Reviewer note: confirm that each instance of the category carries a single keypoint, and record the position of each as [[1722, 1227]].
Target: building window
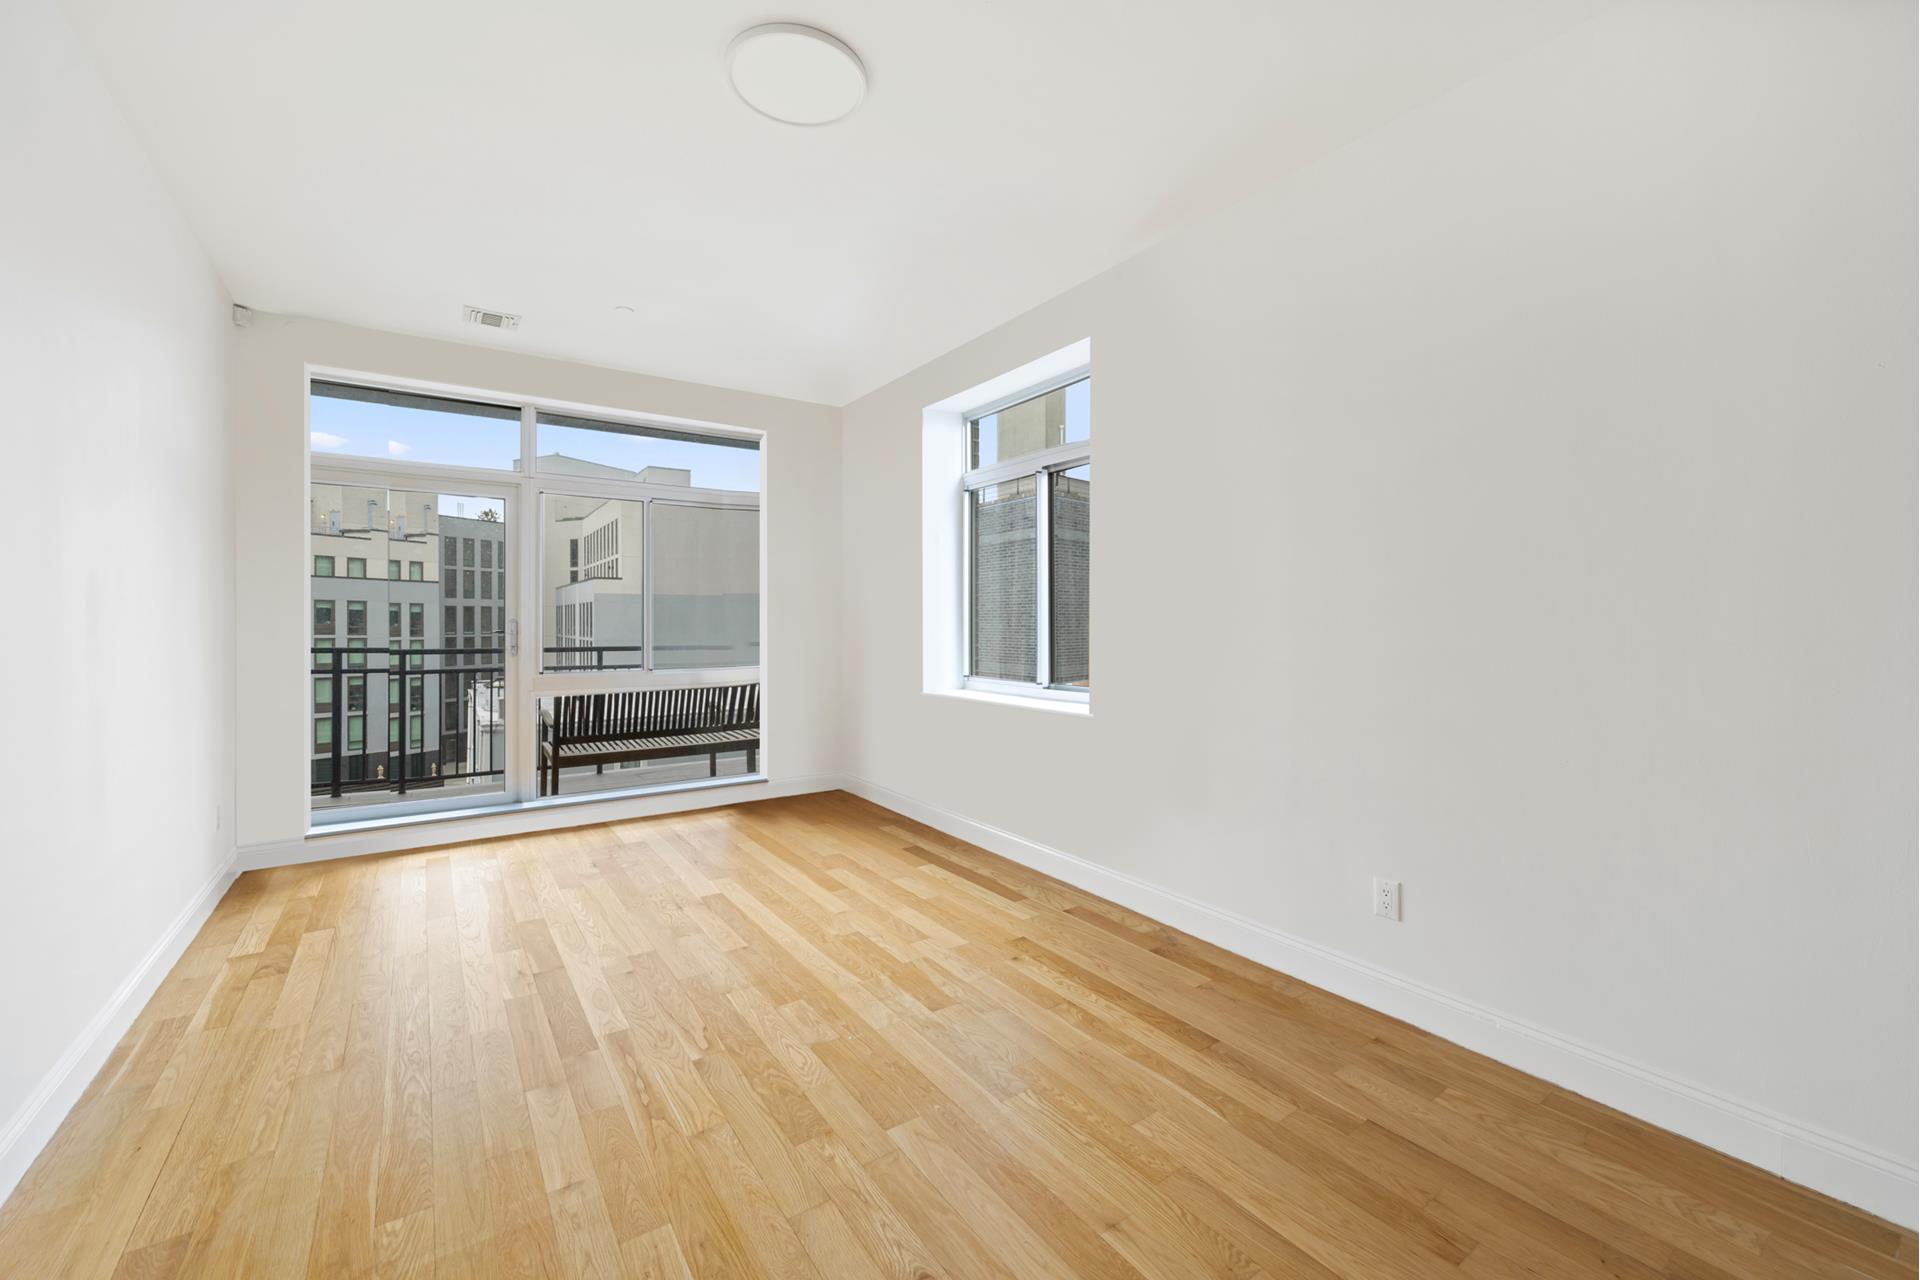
[[416, 571], [356, 617], [450, 582], [416, 620], [322, 735], [486, 554], [323, 617], [466, 552], [393, 570], [466, 584], [323, 566], [393, 621], [356, 567], [451, 549], [1028, 491]]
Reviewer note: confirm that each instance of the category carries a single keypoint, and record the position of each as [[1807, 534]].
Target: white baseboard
[[1876, 1182], [30, 1128], [425, 831]]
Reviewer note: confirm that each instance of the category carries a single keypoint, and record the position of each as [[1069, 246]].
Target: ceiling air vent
[[492, 319]]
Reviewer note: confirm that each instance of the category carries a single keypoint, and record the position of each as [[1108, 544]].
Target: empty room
[[572, 745]]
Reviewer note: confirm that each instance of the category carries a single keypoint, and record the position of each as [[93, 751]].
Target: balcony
[[408, 724]]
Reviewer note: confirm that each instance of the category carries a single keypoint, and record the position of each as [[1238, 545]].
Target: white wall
[[1519, 503], [801, 501], [119, 618]]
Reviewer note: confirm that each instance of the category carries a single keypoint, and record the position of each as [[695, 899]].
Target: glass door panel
[[409, 673]]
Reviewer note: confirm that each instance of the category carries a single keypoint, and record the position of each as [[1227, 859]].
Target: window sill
[[1060, 706], [355, 825]]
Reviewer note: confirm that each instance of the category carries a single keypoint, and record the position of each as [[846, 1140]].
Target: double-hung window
[[1025, 508]]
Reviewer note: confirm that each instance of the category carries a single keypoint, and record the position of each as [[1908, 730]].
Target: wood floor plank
[[811, 1038]]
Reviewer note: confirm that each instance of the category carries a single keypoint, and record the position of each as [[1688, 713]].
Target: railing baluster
[[339, 727], [406, 713]]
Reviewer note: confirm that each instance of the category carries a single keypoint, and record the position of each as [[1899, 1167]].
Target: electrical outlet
[[1386, 898]]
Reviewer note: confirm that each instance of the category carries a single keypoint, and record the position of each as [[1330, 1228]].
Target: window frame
[[518, 564], [1040, 466]]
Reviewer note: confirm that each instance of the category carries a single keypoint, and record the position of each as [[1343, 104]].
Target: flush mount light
[[795, 74]]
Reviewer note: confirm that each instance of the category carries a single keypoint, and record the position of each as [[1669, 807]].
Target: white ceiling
[[386, 162]]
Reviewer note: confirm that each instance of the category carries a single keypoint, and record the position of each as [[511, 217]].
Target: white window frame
[[521, 490], [1040, 467]]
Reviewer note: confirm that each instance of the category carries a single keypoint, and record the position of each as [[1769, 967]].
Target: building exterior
[[384, 598]]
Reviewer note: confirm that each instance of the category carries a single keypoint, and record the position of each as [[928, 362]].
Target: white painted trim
[[1872, 1180], [30, 1128], [524, 819]]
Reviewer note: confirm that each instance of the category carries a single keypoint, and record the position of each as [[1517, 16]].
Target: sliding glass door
[[641, 590], [648, 553]]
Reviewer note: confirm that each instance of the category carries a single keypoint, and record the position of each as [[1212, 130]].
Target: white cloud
[[326, 440], [396, 449]]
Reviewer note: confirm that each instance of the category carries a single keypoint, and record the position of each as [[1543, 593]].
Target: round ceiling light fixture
[[795, 74]]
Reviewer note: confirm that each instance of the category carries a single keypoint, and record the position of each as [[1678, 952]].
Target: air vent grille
[[492, 319]]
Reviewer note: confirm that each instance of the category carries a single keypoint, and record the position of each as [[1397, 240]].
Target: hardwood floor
[[811, 1038]]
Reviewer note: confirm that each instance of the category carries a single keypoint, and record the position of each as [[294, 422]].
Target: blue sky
[[358, 428]]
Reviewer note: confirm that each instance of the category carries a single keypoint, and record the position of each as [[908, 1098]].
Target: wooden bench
[[612, 728]]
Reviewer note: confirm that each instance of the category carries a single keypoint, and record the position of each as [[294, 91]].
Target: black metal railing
[[467, 711], [594, 657]]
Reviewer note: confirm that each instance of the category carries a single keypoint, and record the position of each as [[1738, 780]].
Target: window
[[611, 618], [370, 422], [651, 453], [1029, 488], [599, 534], [1005, 587], [706, 594]]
